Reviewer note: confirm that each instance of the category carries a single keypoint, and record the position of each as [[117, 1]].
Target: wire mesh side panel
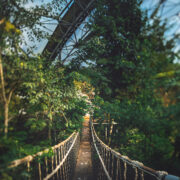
[[111, 165], [58, 162]]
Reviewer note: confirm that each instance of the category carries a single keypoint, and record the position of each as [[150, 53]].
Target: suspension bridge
[[83, 157]]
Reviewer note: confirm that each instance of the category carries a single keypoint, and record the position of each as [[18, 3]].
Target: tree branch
[[64, 117], [10, 95]]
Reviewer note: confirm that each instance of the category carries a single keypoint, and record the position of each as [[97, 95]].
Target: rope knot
[[161, 174], [125, 157], [137, 163]]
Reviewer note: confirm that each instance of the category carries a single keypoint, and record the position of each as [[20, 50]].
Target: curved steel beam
[[77, 11]]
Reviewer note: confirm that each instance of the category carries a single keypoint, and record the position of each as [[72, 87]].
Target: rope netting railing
[[111, 165], [58, 162]]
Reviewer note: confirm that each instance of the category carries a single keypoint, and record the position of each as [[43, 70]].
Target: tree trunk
[[6, 118], [49, 132], [110, 132], [110, 128], [5, 100], [50, 128]]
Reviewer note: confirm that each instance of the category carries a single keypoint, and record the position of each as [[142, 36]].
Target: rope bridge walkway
[[95, 161], [55, 163], [84, 161]]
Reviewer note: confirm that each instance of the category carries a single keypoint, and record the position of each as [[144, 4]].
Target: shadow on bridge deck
[[83, 169]]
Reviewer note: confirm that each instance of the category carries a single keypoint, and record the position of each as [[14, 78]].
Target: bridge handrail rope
[[65, 157], [60, 164], [113, 165], [93, 133]]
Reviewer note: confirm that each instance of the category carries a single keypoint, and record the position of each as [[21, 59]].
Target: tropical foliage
[[127, 61], [131, 64], [40, 104]]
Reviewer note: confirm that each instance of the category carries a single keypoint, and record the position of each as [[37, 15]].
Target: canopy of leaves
[[39, 105], [131, 64]]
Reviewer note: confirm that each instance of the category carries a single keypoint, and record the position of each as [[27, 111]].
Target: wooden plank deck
[[83, 169]]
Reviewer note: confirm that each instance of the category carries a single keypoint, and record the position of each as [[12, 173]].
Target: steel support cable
[[66, 7], [159, 175], [65, 157]]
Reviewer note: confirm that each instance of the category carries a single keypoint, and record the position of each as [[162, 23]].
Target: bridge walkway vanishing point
[[89, 160]]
